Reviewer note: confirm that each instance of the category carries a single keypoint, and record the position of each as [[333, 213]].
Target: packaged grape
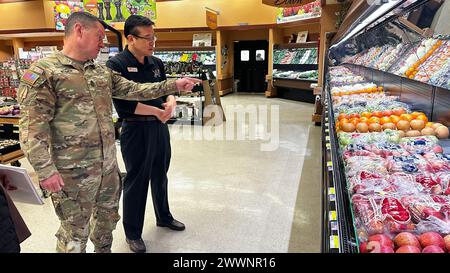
[[444, 180], [405, 184], [356, 150], [430, 213], [420, 145], [409, 164], [367, 214], [439, 162], [369, 186], [385, 149], [371, 164], [431, 182], [382, 213]]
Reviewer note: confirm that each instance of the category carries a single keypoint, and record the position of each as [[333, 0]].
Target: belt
[[143, 118]]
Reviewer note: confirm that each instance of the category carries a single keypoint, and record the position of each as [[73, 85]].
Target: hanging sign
[[286, 3], [211, 19]]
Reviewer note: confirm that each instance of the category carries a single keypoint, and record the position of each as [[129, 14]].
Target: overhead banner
[[310, 10], [286, 3], [119, 10], [211, 19]]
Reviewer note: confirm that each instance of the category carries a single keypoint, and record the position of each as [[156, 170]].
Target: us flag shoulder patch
[[30, 77]]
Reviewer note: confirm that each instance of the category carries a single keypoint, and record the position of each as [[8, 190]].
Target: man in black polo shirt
[[145, 138]]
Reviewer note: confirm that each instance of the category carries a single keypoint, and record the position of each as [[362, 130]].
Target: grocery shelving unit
[[338, 234], [297, 83]]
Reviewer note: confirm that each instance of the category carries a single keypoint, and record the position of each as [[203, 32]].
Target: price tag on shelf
[[331, 190], [332, 197], [327, 130], [326, 125], [328, 145], [334, 241], [327, 138], [334, 225], [332, 215], [330, 165]]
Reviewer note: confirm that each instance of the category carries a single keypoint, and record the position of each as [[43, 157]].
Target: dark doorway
[[250, 65]]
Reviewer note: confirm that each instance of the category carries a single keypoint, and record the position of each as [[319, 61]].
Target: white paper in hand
[[19, 178]]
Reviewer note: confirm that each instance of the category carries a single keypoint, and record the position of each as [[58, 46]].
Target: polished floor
[[252, 187]]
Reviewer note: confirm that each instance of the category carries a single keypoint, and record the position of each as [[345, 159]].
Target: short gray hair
[[84, 18]]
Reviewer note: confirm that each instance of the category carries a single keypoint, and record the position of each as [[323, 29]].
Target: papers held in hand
[[18, 183]]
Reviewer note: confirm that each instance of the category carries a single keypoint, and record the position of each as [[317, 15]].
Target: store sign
[[211, 19], [286, 3]]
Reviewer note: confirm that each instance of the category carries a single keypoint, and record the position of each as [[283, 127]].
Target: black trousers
[[9, 243], [146, 152]]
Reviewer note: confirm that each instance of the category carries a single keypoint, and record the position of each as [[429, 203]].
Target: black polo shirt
[[130, 68]]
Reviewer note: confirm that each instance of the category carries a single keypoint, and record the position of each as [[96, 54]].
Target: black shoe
[[174, 225], [137, 246]]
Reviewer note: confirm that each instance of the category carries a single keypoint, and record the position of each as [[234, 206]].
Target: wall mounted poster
[[119, 10], [302, 36], [63, 9]]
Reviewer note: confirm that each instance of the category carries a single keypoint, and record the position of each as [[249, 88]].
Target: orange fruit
[[363, 119], [377, 114], [374, 120], [406, 117], [366, 114], [354, 120], [394, 119], [422, 117], [416, 114], [342, 115], [384, 120]]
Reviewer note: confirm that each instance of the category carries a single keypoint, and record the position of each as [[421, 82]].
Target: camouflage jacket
[[66, 110]]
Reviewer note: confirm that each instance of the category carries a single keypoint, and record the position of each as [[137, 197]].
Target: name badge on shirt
[[132, 69]]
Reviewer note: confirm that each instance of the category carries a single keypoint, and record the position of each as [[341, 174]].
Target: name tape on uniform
[[132, 69]]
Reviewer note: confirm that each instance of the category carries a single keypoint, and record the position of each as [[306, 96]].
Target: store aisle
[[232, 196]]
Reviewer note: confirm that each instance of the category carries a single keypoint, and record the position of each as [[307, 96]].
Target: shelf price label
[[332, 215], [330, 165], [331, 190], [327, 138], [334, 241], [328, 145], [327, 130]]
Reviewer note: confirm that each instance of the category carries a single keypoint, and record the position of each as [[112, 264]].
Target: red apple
[[431, 238], [363, 247], [438, 149], [433, 249], [383, 239], [408, 249], [406, 239], [447, 242], [377, 247], [428, 211]]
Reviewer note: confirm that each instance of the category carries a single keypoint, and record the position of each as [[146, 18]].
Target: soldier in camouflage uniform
[[67, 134]]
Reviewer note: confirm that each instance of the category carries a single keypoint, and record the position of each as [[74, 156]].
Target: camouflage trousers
[[87, 208]]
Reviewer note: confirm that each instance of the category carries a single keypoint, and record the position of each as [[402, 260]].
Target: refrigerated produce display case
[[386, 156]]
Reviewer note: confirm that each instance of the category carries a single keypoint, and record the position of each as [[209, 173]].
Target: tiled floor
[[232, 196]]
